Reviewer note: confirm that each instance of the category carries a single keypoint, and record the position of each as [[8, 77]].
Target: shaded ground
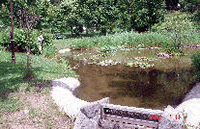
[[38, 111]]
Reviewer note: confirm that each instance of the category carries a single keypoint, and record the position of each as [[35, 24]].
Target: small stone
[[163, 55], [170, 120], [64, 50], [89, 115], [191, 109], [68, 83], [108, 61], [25, 112]]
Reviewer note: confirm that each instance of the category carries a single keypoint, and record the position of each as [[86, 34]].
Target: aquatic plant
[[108, 49]]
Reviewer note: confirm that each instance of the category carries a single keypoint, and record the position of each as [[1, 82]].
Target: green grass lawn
[[12, 76], [17, 95]]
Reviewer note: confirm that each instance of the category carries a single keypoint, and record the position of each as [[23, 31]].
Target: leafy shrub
[[23, 40], [190, 5], [4, 14], [196, 63], [196, 17], [47, 38], [52, 17], [145, 13], [174, 22], [2, 48], [4, 38]]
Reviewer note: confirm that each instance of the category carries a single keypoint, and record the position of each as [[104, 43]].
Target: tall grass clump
[[196, 63], [128, 39]]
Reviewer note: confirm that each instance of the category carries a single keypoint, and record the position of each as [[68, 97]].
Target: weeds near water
[[196, 63], [172, 48], [130, 39], [171, 42]]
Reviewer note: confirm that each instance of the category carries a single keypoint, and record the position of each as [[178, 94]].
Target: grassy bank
[[43, 69], [177, 29], [40, 110], [133, 39]]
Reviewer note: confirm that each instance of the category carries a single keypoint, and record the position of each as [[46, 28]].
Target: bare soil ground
[[38, 111]]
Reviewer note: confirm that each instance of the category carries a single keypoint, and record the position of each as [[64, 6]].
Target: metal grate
[[122, 117]]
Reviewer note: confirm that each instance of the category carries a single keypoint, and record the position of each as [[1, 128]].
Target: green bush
[[189, 5], [196, 17], [4, 38], [23, 40], [196, 63], [2, 48], [48, 38]]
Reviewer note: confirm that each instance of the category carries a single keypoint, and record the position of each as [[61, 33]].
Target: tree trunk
[[12, 31], [171, 4]]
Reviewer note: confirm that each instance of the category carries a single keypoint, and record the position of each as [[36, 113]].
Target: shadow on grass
[[10, 76], [13, 76]]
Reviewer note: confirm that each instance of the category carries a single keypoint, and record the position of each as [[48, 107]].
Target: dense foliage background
[[89, 16]]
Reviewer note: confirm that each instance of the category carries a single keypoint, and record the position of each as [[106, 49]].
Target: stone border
[[64, 50], [88, 114]]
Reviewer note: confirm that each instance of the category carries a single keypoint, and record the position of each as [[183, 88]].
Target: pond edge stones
[[190, 106], [64, 50], [86, 113]]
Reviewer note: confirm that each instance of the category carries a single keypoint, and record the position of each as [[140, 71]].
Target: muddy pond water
[[133, 77]]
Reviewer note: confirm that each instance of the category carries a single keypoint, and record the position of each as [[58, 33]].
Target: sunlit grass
[[12, 75]]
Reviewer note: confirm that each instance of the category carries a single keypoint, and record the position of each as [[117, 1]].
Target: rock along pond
[[133, 77]]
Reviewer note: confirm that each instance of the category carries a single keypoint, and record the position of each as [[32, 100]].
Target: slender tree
[[28, 19], [12, 31]]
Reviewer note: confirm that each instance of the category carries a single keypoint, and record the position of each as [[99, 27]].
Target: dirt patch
[[38, 112], [191, 47]]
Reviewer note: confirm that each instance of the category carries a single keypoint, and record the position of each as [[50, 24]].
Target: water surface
[[149, 81]]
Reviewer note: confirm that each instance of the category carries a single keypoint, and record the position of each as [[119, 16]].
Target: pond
[[133, 77]]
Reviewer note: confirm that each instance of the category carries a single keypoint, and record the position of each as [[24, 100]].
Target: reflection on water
[[155, 87]]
